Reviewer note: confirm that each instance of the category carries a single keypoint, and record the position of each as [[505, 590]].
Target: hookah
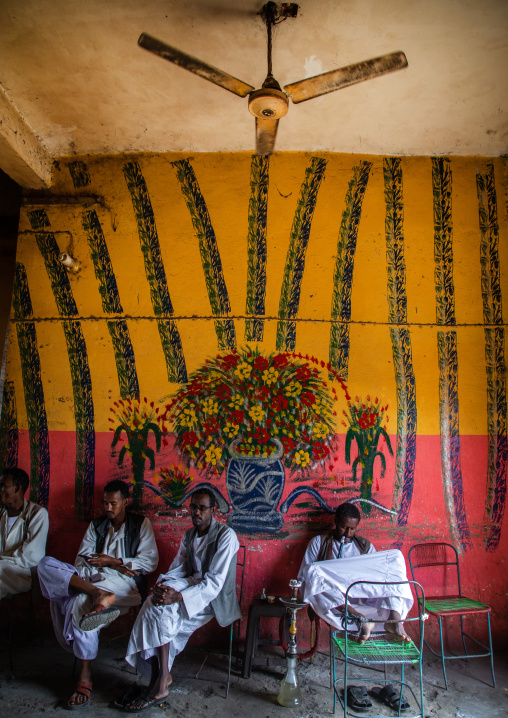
[[290, 694]]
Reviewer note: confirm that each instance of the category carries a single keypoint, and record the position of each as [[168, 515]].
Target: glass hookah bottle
[[290, 694]]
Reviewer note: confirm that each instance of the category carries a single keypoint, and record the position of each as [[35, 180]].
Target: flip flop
[[149, 703], [390, 697], [102, 616], [130, 696], [357, 698], [85, 689]]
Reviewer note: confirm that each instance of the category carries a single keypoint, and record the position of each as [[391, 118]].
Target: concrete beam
[[22, 155]]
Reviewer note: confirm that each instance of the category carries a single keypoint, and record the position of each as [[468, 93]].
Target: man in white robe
[[23, 533], [200, 584], [335, 560], [108, 577]]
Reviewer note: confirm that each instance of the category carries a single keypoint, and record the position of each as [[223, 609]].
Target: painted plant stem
[[155, 273], [118, 329], [78, 360], [295, 260], [256, 248], [32, 387], [9, 434], [495, 500], [447, 353], [343, 273], [401, 341], [209, 251]]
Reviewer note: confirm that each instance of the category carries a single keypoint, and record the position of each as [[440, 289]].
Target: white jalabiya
[[325, 582], [156, 626], [67, 608], [21, 547]]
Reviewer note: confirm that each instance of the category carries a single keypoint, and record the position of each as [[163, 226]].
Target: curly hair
[[348, 511]]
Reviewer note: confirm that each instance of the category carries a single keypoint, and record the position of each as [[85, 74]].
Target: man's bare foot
[[81, 695], [100, 598], [397, 629], [365, 632]]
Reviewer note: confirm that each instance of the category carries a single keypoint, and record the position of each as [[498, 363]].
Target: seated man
[[23, 533], [335, 560], [200, 584], [108, 576]]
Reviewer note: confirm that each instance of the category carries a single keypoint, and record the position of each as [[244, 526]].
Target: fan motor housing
[[268, 104]]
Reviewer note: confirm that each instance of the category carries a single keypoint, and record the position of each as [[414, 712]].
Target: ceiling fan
[[270, 103]]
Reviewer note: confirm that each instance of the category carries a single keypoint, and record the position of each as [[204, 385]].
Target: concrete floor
[[42, 682]]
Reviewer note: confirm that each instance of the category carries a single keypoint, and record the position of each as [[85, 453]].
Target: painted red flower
[[236, 416], [280, 361], [279, 403], [230, 361], [308, 398], [260, 363], [288, 444], [261, 435], [263, 392], [189, 438], [223, 392], [320, 450], [211, 426]]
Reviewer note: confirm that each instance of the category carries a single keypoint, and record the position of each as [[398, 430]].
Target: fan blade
[[266, 131], [212, 74], [345, 76]]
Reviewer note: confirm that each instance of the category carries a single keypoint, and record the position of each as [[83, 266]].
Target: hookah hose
[[313, 649]]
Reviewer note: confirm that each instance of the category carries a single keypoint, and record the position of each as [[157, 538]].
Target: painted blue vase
[[255, 487]]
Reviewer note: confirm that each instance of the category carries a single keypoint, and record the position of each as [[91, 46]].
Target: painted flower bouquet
[[255, 404]]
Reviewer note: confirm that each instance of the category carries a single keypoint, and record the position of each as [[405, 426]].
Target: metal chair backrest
[[420, 603], [240, 563], [434, 555]]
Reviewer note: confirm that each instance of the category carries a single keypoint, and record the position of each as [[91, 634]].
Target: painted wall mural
[[292, 331]]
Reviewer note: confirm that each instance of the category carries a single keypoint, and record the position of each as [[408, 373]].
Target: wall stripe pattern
[[32, 387], [78, 360], [401, 341], [494, 355], [343, 273], [79, 174], [118, 329], [447, 353], [295, 260], [209, 251], [9, 434], [256, 248], [155, 274]]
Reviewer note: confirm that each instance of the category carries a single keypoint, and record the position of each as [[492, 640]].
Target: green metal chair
[[441, 556], [240, 565], [377, 652]]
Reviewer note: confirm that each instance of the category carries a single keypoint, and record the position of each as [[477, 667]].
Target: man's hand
[[163, 595], [126, 571], [101, 560]]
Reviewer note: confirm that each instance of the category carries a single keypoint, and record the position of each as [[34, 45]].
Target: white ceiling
[[73, 80]]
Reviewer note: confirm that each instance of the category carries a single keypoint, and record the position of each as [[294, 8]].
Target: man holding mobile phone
[[108, 576]]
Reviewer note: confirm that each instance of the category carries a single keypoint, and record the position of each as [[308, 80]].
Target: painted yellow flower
[[270, 375], [256, 413], [302, 458], [243, 370], [212, 455], [210, 406], [231, 429], [236, 401], [293, 389], [188, 417], [320, 430]]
